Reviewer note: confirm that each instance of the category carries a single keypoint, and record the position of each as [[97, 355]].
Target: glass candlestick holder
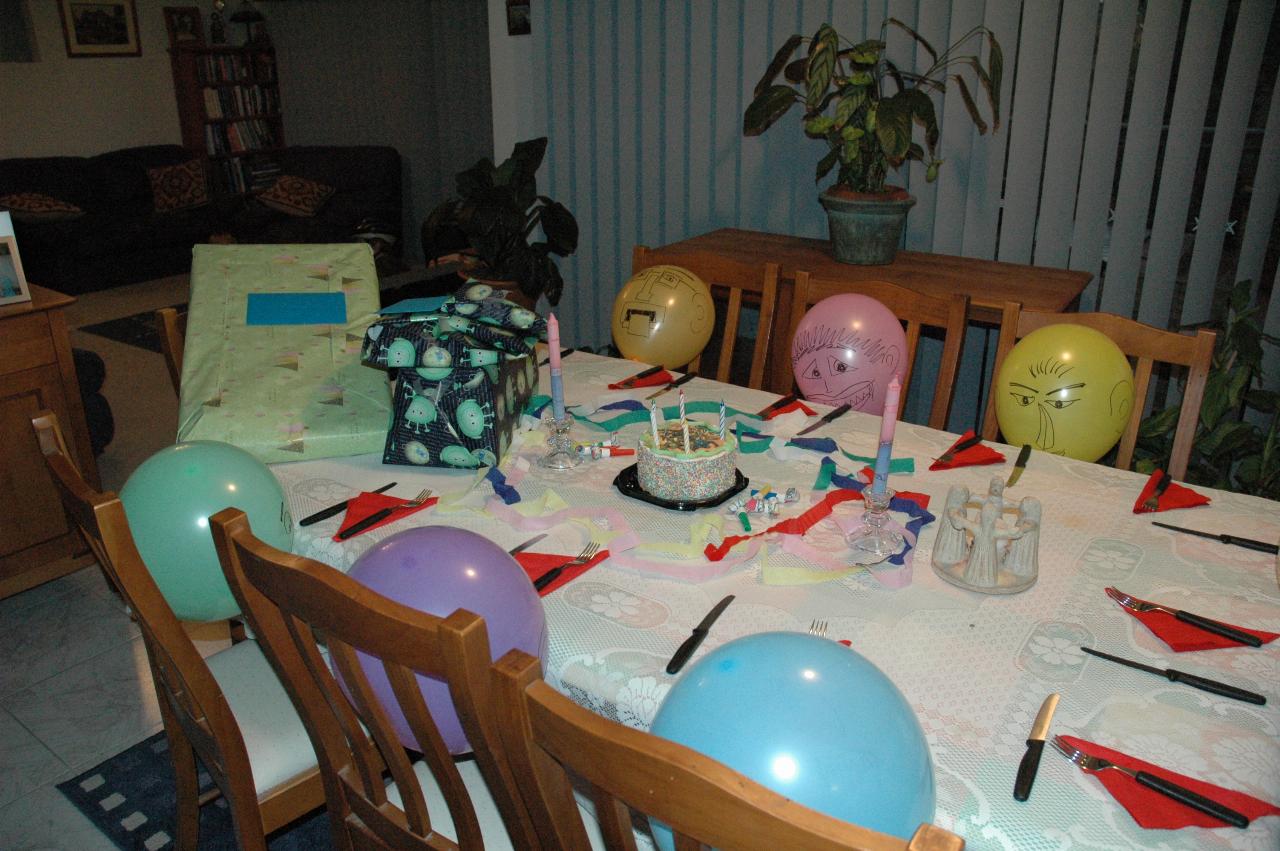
[[875, 537], [560, 454]]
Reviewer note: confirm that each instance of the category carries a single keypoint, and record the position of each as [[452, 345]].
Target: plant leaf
[[560, 227], [819, 125], [923, 112], [895, 74], [794, 72], [821, 64], [995, 62], [779, 62], [893, 125], [919, 38], [865, 53], [826, 164], [969, 104], [850, 99], [768, 107]]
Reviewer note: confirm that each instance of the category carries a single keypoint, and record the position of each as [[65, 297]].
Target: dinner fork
[[818, 628], [588, 553], [1154, 782], [383, 514], [1225, 630]]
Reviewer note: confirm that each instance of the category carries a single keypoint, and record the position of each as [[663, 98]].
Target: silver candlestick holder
[[560, 454], [875, 538]]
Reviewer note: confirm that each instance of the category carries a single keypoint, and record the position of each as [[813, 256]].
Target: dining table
[[974, 667]]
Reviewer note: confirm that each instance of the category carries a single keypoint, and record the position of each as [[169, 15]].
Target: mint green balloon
[[169, 500]]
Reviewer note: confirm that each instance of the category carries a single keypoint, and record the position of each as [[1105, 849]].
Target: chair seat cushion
[[278, 745]]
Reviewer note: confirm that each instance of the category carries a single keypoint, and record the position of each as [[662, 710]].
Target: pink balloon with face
[[846, 350]]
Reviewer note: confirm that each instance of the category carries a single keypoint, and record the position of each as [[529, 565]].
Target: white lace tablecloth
[[974, 667]]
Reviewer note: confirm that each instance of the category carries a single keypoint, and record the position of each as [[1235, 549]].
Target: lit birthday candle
[[888, 422], [722, 419], [653, 422], [557, 380]]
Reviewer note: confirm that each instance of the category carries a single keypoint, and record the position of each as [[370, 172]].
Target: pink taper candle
[[557, 382], [888, 422]]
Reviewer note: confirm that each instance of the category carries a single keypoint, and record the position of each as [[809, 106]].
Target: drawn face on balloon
[[839, 365], [664, 315], [1065, 390]]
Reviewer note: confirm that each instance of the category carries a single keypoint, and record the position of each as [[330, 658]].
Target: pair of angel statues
[[985, 553]]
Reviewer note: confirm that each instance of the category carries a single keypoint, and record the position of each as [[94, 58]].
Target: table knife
[[1260, 546], [1183, 677], [776, 404], [326, 513], [685, 650], [1019, 465], [1035, 746], [631, 380], [684, 379], [831, 417], [968, 443], [519, 548], [564, 353]]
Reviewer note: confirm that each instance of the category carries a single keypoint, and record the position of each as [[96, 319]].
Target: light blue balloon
[[169, 500], [812, 720]]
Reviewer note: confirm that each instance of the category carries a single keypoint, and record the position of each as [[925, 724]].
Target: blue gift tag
[[414, 305], [296, 309]]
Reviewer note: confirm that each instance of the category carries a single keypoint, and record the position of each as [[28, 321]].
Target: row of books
[[238, 137], [254, 174], [231, 68], [236, 101]]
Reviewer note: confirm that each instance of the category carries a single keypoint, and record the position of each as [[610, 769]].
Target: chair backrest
[[724, 275], [192, 704], [704, 801], [287, 600], [916, 310], [172, 328], [1143, 343]]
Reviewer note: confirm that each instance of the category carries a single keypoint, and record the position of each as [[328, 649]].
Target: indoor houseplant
[[494, 219], [844, 90]]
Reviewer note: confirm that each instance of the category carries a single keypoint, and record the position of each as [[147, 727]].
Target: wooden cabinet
[[229, 110], [37, 373]]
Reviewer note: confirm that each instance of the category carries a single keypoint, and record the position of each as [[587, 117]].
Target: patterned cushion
[[296, 196], [35, 207], [178, 187]]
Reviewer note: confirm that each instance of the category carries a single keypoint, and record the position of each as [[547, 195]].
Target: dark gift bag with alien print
[[465, 419]]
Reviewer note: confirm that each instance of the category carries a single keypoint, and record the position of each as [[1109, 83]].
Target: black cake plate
[[628, 484]]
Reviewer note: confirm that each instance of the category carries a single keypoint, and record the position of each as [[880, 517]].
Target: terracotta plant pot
[[866, 228]]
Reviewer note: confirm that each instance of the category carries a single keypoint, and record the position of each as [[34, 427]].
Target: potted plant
[[494, 218], [867, 131]]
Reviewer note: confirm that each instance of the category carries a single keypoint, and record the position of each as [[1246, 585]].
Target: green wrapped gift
[[282, 392]]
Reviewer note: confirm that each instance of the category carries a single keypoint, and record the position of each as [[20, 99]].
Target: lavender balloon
[[439, 569]]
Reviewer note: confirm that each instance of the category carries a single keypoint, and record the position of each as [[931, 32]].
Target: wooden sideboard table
[[36, 372], [988, 283]]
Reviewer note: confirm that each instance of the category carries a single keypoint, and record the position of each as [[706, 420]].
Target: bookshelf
[[230, 113]]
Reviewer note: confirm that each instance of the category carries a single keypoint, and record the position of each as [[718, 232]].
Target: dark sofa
[[121, 239]]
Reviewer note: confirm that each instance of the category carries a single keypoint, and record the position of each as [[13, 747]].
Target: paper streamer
[[505, 491]]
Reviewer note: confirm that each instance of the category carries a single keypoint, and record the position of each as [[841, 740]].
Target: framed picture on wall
[[184, 25], [13, 284], [100, 28]]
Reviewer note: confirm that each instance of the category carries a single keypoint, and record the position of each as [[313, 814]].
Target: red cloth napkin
[[1175, 497], [536, 564], [367, 503], [659, 377], [797, 405], [972, 457], [1150, 809], [1182, 637]]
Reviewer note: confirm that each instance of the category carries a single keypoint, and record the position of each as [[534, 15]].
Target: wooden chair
[[917, 310], [725, 276], [229, 709], [287, 600], [172, 327], [1138, 341], [704, 801]]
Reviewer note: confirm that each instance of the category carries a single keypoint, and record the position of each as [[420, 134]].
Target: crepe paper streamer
[[624, 405], [897, 466], [296, 309], [506, 492], [826, 469], [825, 445], [751, 441]]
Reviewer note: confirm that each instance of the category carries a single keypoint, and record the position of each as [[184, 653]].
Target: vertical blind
[[1139, 142]]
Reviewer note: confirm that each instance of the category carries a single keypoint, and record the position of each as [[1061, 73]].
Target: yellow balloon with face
[[1065, 389], [664, 315]]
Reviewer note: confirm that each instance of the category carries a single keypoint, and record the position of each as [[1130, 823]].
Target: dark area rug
[[130, 798], [138, 329]]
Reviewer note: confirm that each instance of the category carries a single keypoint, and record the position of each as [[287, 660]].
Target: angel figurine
[[983, 567], [952, 542], [1022, 558]]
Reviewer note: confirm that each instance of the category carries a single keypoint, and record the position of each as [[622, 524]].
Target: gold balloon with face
[[1065, 389], [663, 315]]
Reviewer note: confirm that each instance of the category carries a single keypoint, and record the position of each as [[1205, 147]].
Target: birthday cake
[[706, 469]]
